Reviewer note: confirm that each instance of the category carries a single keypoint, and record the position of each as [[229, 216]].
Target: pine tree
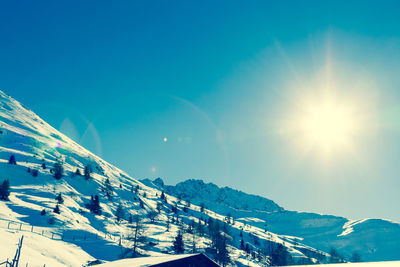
[[58, 170], [355, 257], [12, 160], [159, 207], [167, 225], [87, 171], [57, 209], [5, 190], [60, 199], [200, 228], [187, 206], [194, 243], [178, 245], [94, 205], [222, 251], [225, 228], [35, 173], [255, 238], [242, 244], [152, 215], [108, 189], [191, 228], [213, 231], [247, 248], [43, 166], [78, 172], [119, 213], [174, 209], [335, 256], [162, 195], [280, 256], [202, 206], [43, 212]]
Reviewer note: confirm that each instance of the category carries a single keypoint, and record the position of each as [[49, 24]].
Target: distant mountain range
[[374, 239]]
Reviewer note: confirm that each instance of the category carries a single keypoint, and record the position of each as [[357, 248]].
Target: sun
[[328, 114], [327, 125]]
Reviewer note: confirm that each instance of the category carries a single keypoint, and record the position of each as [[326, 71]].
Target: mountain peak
[[225, 197]]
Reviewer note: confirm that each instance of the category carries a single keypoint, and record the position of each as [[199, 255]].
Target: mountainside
[[374, 239], [51, 170]]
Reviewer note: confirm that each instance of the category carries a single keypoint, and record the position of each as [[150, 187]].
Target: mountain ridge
[[198, 188]]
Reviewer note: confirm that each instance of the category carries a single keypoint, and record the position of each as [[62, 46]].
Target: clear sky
[[297, 101]]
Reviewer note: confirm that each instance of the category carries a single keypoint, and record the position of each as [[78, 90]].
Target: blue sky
[[216, 78]]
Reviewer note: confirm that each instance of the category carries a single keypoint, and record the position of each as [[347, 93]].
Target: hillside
[[79, 234], [374, 239]]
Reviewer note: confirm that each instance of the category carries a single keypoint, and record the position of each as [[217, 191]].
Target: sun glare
[[328, 111], [327, 125]]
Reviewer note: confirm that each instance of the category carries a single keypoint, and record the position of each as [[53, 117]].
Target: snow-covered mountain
[[75, 235], [374, 239]]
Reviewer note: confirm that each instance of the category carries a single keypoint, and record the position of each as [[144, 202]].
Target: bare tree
[[136, 235], [193, 242]]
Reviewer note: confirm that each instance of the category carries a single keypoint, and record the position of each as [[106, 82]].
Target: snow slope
[[33, 142], [362, 264], [37, 250]]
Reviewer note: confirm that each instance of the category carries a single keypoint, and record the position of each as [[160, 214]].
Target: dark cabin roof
[[185, 260]]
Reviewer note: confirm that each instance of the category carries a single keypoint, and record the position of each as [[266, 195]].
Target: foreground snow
[[361, 264], [39, 251]]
